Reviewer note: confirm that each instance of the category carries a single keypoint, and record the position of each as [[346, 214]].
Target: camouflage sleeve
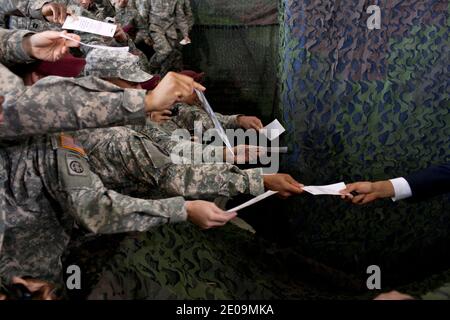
[[30, 8], [104, 211], [35, 25], [123, 157], [208, 181], [187, 8], [170, 143], [189, 114], [11, 49], [105, 9], [65, 104], [181, 19], [228, 122], [142, 20]]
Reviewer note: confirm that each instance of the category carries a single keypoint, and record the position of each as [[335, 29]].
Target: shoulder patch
[[76, 166]]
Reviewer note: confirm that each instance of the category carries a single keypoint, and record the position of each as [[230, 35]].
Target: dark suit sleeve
[[430, 182]]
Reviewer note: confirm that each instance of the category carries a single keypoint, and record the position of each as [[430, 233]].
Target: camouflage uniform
[[189, 114], [54, 104], [48, 190], [99, 9], [187, 9], [46, 185], [163, 17], [30, 8], [125, 158]]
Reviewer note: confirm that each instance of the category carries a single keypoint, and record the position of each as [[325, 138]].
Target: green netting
[[240, 65], [235, 12], [367, 105], [236, 44]]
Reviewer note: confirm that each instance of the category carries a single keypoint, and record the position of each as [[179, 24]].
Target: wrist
[[384, 189], [149, 105], [188, 206], [26, 45]]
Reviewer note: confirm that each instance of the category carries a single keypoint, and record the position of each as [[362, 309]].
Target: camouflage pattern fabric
[[189, 114], [183, 262], [37, 109], [50, 188], [366, 105], [30, 8], [124, 158], [163, 18], [11, 50]]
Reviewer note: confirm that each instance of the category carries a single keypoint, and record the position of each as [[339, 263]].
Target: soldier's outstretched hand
[[207, 215], [173, 88], [249, 123], [284, 184], [49, 45]]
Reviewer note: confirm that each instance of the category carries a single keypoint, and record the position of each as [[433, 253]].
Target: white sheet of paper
[[253, 201], [184, 42], [84, 24], [214, 119], [332, 189], [273, 130], [124, 49]]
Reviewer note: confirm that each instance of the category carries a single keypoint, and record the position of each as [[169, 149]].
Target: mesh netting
[[367, 105]]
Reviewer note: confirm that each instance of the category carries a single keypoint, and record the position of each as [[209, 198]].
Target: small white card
[[84, 24], [185, 42], [214, 119], [124, 49], [273, 130], [253, 201], [332, 189]]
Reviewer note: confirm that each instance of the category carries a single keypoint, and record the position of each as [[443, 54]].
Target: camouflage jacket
[[63, 104], [30, 8], [163, 16], [47, 189], [11, 50], [188, 115]]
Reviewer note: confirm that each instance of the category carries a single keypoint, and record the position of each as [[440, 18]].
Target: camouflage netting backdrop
[[358, 105], [367, 105]]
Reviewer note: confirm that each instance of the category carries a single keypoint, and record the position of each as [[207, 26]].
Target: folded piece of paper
[[253, 201], [273, 130], [124, 49], [84, 24], [332, 189], [184, 42], [214, 119]]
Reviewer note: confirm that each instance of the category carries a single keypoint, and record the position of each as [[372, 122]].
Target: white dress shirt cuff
[[401, 188]]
